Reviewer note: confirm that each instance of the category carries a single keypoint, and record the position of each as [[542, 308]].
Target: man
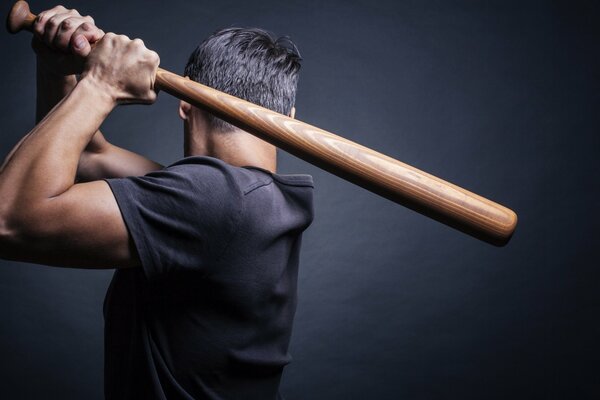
[[206, 249]]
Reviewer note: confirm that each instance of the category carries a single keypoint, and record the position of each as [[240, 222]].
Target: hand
[[125, 69], [62, 40]]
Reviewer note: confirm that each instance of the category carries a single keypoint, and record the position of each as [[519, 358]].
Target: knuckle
[[109, 38], [89, 19], [74, 12], [139, 45], [86, 26], [59, 7], [39, 27], [67, 24], [41, 17], [52, 22]]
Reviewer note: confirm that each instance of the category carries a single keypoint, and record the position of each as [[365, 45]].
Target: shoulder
[[209, 171], [192, 187], [285, 201], [182, 216], [200, 179], [199, 171]]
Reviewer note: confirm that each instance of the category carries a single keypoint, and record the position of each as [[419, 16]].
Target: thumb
[[80, 45]]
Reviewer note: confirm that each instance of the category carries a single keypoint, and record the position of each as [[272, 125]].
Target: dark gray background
[[498, 97]]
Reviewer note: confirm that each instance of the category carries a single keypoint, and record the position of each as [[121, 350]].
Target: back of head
[[248, 63]]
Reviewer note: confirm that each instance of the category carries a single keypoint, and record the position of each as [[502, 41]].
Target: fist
[[62, 39], [125, 68]]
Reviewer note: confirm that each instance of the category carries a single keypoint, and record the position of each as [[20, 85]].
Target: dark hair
[[248, 63]]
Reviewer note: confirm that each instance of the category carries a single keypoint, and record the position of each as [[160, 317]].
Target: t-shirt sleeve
[[180, 218]]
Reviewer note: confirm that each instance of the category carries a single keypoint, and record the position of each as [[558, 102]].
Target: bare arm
[[57, 62], [44, 216], [101, 159]]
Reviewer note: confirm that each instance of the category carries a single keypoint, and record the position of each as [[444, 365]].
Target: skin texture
[[54, 210], [58, 60]]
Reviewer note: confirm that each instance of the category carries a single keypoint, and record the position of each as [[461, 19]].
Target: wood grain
[[390, 178], [365, 167]]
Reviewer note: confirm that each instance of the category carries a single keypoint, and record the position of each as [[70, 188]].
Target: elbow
[[8, 236], [5, 235]]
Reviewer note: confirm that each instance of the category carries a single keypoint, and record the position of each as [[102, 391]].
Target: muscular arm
[[100, 159], [45, 217]]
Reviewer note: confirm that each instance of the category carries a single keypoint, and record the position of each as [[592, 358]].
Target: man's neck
[[237, 148]]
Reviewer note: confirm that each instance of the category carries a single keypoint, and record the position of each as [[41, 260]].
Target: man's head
[[250, 64]]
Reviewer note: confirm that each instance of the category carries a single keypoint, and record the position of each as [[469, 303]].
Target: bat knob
[[20, 17]]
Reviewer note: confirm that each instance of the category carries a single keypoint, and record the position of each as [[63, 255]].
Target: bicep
[[82, 227]]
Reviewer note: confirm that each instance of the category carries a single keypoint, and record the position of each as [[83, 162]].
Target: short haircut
[[249, 63]]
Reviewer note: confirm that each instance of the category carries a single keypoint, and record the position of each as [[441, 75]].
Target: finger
[[66, 29], [41, 20], [138, 45], [44, 16], [154, 58], [93, 34], [89, 29], [90, 33], [54, 21], [154, 61], [51, 28], [80, 45]]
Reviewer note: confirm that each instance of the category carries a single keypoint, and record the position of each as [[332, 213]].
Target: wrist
[[103, 93]]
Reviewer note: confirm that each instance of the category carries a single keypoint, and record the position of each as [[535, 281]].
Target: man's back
[[209, 314]]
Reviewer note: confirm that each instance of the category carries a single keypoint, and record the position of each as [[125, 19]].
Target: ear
[[184, 110], [293, 112]]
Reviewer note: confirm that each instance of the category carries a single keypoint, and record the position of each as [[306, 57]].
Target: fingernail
[[80, 42]]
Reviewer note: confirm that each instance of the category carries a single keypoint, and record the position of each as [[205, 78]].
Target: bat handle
[[20, 17]]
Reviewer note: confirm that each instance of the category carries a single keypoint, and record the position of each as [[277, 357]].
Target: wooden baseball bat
[[383, 175]]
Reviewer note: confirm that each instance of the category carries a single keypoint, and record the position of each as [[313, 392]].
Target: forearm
[[100, 159], [51, 88], [46, 162]]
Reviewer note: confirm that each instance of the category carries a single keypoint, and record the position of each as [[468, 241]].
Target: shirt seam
[[298, 184], [256, 185]]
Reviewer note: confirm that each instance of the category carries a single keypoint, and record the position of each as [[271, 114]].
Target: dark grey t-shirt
[[209, 314]]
